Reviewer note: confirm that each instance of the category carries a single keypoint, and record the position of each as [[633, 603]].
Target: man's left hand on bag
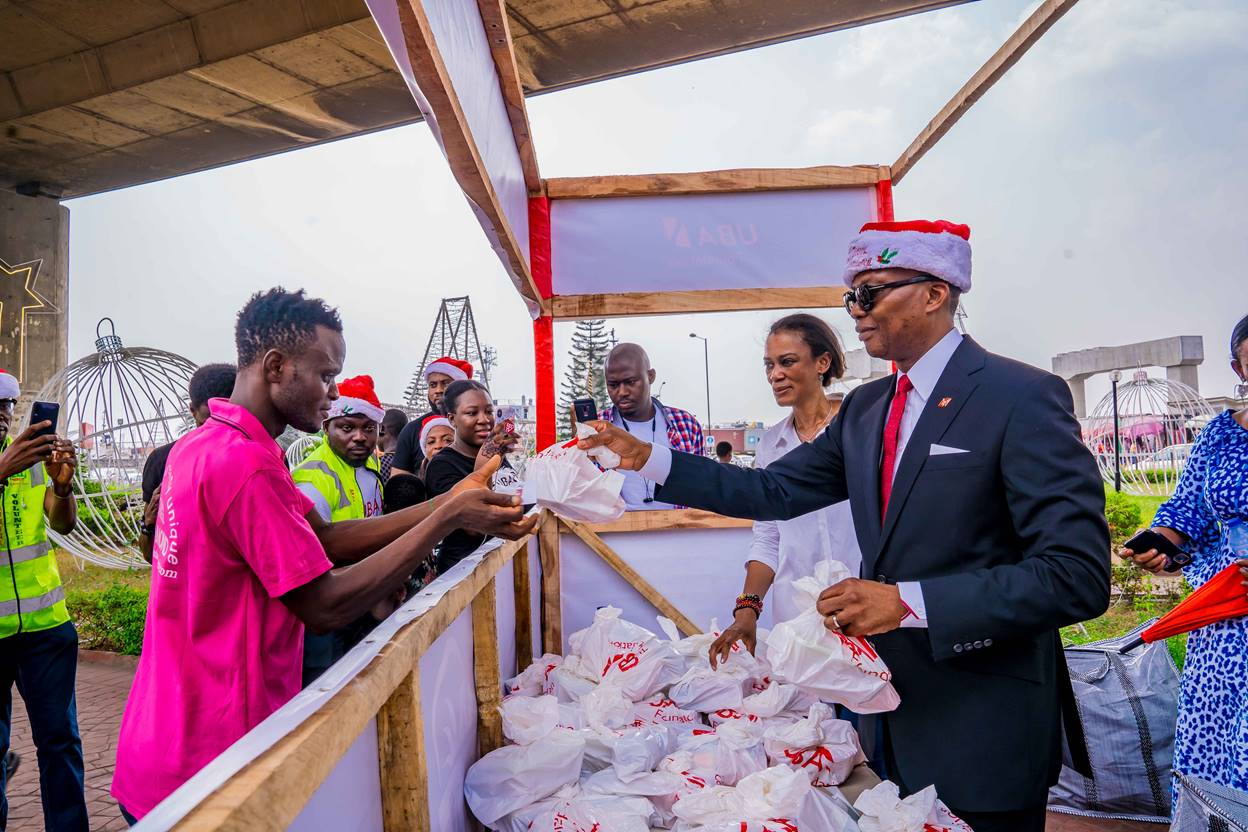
[[861, 608]]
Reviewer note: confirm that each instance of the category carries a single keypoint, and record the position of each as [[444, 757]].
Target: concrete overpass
[[1180, 356], [103, 94]]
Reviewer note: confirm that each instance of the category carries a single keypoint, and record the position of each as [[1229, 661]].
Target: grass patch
[[1147, 504], [87, 577], [1122, 618]]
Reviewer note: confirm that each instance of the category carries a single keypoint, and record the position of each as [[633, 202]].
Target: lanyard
[[654, 421]]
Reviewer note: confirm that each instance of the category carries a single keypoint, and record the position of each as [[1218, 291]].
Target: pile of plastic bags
[[633, 732]]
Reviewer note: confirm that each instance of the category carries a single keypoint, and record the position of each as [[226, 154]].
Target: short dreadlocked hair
[[278, 319]]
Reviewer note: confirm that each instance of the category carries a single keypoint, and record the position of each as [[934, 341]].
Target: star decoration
[[18, 297]]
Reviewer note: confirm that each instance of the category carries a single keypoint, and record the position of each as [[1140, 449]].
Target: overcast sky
[[1099, 178]]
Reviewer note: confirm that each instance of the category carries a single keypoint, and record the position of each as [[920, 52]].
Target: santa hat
[[9, 388], [939, 248], [356, 397], [453, 367], [430, 424]]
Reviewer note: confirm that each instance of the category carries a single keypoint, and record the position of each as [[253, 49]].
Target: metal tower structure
[[454, 334]]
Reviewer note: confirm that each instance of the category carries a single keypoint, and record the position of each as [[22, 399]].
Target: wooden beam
[[628, 304], [634, 578], [552, 605], [401, 754], [498, 33], [1049, 12], [270, 791], [485, 669], [524, 609], [736, 180], [676, 518], [457, 141]]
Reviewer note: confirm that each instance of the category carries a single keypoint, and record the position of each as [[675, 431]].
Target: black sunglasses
[[864, 296]]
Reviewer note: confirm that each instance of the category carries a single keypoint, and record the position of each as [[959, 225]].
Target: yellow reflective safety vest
[[329, 474], [31, 595]]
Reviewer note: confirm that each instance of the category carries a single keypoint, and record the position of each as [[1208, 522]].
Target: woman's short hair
[[819, 335], [456, 390]]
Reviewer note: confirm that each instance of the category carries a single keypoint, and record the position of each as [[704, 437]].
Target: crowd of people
[[957, 488]]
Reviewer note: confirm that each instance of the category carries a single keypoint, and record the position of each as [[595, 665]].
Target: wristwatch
[[148, 529]]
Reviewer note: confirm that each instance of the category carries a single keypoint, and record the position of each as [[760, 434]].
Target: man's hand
[[27, 450], [862, 608], [61, 467], [479, 478], [484, 512], [744, 629], [633, 452]]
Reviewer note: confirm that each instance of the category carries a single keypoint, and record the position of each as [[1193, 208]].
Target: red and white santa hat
[[453, 367], [9, 388], [937, 247], [429, 425], [356, 397]]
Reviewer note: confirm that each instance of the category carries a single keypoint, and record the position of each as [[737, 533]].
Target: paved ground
[[102, 691]]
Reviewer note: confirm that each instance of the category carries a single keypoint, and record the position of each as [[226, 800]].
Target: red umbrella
[[1221, 598]]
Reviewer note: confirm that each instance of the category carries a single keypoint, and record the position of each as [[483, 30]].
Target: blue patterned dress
[[1211, 739]]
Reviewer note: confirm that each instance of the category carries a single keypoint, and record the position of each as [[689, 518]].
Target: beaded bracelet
[[749, 602]]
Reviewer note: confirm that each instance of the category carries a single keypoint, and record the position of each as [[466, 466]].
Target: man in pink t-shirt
[[241, 560]]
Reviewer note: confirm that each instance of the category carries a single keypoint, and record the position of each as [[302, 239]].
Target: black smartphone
[[584, 410], [45, 412], [1148, 539]]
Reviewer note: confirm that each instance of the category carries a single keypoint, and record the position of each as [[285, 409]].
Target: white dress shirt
[[923, 375], [791, 548]]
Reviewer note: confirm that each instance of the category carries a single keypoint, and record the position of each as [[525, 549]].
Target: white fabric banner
[[701, 571], [461, 39], [714, 241]]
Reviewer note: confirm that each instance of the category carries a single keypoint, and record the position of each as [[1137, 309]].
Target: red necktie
[[892, 430]]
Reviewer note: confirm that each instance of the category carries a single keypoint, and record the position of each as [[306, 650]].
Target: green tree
[[584, 379]]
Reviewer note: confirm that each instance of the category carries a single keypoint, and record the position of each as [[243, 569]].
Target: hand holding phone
[[45, 412], [584, 410], [1146, 541]]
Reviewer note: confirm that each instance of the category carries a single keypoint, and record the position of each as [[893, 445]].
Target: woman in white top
[[803, 356]]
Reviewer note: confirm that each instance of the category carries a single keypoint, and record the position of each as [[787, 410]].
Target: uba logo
[[727, 235]]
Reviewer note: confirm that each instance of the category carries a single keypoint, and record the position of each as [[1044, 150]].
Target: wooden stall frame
[[270, 791]]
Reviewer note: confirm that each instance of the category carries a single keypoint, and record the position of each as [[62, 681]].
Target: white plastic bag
[[777, 799], [535, 679], [822, 747], [514, 776], [606, 706], [883, 810], [564, 479], [621, 653], [527, 719], [595, 813], [776, 699], [703, 689], [568, 682], [606, 457], [730, 752], [659, 710], [834, 667]]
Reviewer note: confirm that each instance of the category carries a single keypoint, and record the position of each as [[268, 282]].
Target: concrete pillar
[[34, 290], [1185, 373], [1079, 394]]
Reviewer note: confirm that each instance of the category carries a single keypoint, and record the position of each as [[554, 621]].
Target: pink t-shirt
[[220, 651]]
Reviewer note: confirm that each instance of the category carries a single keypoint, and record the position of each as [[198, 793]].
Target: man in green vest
[[342, 478], [38, 643]]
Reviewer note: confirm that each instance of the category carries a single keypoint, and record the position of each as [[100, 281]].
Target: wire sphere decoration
[[117, 406], [301, 445], [1158, 422]]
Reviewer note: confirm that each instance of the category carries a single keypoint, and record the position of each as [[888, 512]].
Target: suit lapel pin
[[945, 401]]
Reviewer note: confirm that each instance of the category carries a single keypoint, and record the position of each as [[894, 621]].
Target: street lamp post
[[706, 363], [1113, 380]]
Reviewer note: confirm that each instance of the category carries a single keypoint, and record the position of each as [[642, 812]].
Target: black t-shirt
[[407, 453], [442, 474], [154, 471]]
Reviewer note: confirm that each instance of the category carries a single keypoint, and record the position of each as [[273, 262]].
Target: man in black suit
[[980, 516]]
